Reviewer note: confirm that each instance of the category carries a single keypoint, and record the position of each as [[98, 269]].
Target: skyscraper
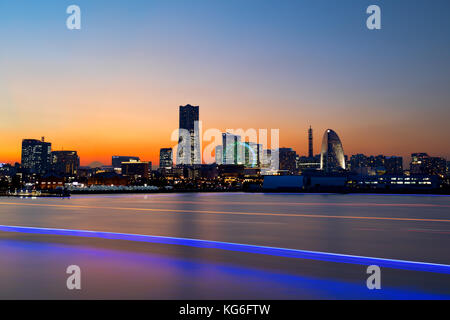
[[232, 149], [219, 154], [332, 156], [288, 160], [253, 154], [36, 155], [65, 162], [394, 165], [266, 158], [422, 163], [189, 150], [165, 158], [310, 143]]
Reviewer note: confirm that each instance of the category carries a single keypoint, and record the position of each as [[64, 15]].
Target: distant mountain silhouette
[[95, 164]]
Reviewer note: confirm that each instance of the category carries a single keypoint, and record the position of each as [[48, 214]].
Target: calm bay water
[[414, 228]]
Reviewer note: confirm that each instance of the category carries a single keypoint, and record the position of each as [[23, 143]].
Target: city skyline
[[211, 153], [383, 92], [190, 129], [236, 156], [107, 157]]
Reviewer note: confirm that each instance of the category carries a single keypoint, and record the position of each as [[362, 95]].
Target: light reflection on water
[[193, 273], [36, 271]]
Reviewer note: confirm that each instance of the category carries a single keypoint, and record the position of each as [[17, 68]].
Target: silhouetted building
[[118, 160], [375, 165], [51, 181], [393, 165], [165, 158], [325, 181], [376, 161], [397, 182], [7, 170], [283, 183], [136, 169], [288, 160], [107, 179], [308, 163], [358, 161], [310, 143], [422, 163], [332, 156], [231, 171], [419, 163], [188, 152], [36, 156], [207, 171], [65, 163]]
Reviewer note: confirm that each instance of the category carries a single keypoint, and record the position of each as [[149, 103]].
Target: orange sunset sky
[[115, 88]]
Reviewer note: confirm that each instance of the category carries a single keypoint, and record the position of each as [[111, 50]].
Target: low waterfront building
[[389, 182], [118, 160], [107, 179], [51, 181], [283, 183], [136, 169]]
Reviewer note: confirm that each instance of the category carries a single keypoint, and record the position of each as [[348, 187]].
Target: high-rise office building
[[394, 165], [310, 143], [253, 154], [419, 163], [232, 149], [189, 147], [422, 163], [358, 161], [219, 154], [288, 160], [376, 161], [36, 155], [165, 158], [266, 158], [332, 155], [65, 162], [118, 160], [375, 165]]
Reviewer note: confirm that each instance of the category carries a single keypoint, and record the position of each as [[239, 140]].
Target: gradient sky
[[114, 87]]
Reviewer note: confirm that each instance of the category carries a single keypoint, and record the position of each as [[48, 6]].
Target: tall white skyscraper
[[219, 155], [189, 146], [233, 152]]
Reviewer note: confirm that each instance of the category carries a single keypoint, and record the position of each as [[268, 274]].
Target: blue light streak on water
[[255, 249], [200, 279]]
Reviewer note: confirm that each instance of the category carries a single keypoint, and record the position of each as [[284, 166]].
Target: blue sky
[[266, 63]]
